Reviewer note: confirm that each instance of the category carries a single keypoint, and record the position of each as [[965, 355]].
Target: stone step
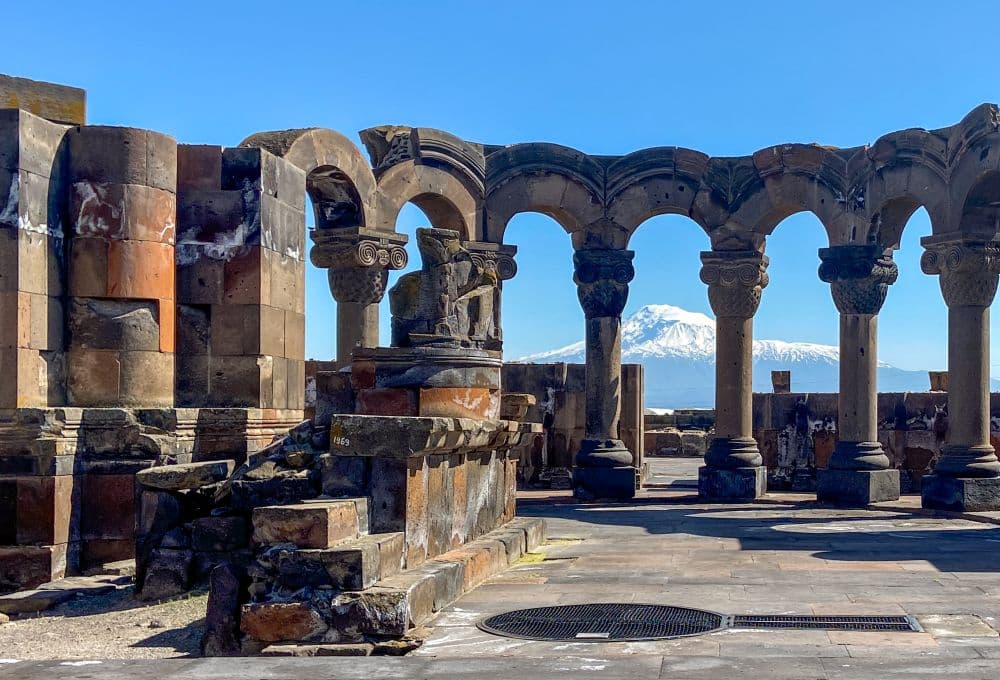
[[350, 565], [395, 604], [318, 523]]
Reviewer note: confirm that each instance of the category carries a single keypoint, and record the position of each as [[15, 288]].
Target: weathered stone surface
[[313, 525], [222, 618], [349, 566], [280, 621], [732, 485], [168, 574], [343, 649], [219, 534], [185, 476], [58, 103], [25, 601], [27, 566], [960, 494]]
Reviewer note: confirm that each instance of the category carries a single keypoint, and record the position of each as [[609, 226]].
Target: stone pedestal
[[734, 467], [858, 474], [961, 494], [967, 474], [732, 485], [857, 488], [427, 381]]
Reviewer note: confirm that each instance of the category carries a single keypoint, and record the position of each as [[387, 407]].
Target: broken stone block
[[185, 476], [349, 566], [219, 534], [114, 324], [222, 617], [168, 574], [343, 649], [281, 621], [312, 525], [250, 494]]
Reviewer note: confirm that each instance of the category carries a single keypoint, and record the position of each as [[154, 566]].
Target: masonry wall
[[797, 433]]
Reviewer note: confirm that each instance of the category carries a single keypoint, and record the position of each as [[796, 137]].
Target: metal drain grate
[[604, 623], [619, 622], [904, 623]]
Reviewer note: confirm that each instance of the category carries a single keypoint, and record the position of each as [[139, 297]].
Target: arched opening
[[543, 327], [410, 218], [669, 329]]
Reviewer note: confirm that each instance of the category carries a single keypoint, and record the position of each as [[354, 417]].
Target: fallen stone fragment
[[347, 649], [186, 475], [281, 621], [222, 618]]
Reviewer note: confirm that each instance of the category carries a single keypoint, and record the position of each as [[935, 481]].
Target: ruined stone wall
[[559, 391], [797, 433]]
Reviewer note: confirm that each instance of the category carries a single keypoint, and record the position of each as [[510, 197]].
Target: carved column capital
[[602, 276], [493, 257], [735, 281], [358, 261], [967, 270], [859, 276]]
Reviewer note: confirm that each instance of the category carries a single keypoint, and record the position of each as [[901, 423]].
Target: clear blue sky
[[726, 78]]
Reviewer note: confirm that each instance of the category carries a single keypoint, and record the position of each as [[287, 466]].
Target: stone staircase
[[321, 580]]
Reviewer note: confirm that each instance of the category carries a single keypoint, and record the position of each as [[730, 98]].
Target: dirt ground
[[112, 626]]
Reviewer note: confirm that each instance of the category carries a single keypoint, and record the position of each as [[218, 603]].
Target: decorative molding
[[602, 277], [735, 281], [859, 276]]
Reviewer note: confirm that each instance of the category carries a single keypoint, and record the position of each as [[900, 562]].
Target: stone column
[[858, 473], [604, 467], [733, 467], [967, 474], [358, 263]]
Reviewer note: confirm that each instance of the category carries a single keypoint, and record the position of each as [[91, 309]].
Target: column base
[[737, 484], [614, 483], [857, 488], [962, 494]]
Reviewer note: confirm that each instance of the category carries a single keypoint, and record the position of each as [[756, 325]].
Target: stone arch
[[445, 199], [338, 178], [748, 197], [560, 182], [651, 182], [897, 175], [975, 173]]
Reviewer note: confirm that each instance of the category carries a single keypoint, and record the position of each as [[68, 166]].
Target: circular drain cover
[[603, 622]]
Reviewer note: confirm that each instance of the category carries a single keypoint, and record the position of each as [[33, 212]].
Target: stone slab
[[857, 488], [185, 476], [58, 103]]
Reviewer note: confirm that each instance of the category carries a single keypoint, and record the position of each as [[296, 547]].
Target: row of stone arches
[[863, 197]]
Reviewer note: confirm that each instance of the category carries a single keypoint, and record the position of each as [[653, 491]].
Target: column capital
[[358, 261], [735, 281], [495, 257], [859, 276], [602, 276], [967, 268]]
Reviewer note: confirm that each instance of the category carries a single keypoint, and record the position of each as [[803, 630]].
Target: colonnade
[[863, 196]]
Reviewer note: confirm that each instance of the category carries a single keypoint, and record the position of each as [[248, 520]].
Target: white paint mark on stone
[[81, 663]]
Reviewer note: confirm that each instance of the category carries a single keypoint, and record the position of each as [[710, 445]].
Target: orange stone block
[[459, 402], [387, 401], [168, 325], [141, 269]]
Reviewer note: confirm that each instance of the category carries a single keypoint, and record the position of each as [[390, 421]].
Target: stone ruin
[[152, 338]]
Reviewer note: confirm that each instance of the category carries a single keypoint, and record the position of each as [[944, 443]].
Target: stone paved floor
[[786, 556]]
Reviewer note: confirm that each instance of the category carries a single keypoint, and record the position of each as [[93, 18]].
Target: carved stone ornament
[[602, 277], [735, 281], [450, 302], [358, 263], [968, 270], [491, 257], [859, 276]]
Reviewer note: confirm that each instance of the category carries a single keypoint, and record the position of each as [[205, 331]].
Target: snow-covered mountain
[[677, 347]]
